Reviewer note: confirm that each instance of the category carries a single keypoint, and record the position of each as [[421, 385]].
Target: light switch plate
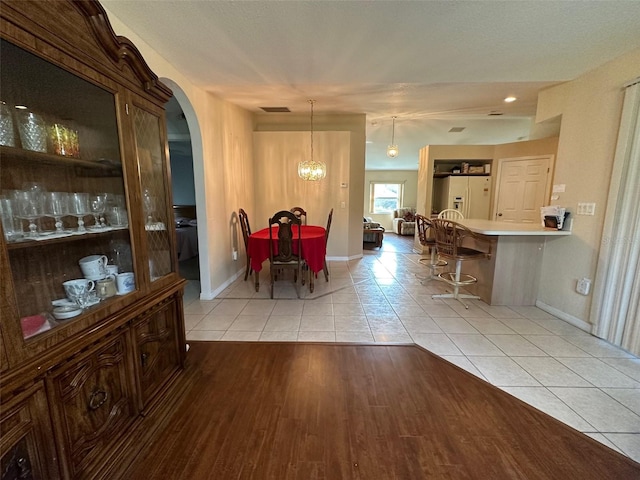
[[586, 209]]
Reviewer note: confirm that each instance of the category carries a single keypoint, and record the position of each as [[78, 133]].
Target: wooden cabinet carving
[[84, 177], [92, 402], [26, 441]]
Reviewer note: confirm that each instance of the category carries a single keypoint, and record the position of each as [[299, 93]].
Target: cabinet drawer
[[157, 348], [93, 403]]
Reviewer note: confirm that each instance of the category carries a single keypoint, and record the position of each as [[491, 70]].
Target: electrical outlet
[[584, 286], [234, 254]]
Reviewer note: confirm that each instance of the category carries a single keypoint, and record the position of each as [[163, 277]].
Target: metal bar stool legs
[[457, 279]]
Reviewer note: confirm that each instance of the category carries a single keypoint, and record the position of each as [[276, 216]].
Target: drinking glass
[[79, 208], [149, 205], [56, 205], [30, 206], [7, 136], [33, 131], [7, 215], [97, 203]]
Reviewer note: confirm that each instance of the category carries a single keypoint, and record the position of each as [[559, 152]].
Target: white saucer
[[64, 313], [64, 302]]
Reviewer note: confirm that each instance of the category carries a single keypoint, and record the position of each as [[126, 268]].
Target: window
[[385, 197]]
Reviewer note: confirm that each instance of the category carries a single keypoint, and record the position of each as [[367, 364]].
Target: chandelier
[[392, 149], [310, 169]]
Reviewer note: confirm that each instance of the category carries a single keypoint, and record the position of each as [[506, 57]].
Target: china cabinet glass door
[[62, 192], [155, 192]]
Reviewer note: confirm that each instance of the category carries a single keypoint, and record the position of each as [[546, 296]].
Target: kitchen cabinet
[[83, 155]]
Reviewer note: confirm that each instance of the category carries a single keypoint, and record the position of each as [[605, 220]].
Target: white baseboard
[[214, 294], [344, 259], [575, 321]]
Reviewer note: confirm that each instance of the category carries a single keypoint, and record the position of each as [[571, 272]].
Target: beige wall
[[345, 240], [223, 167], [279, 188], [590, 107], [410, 180]]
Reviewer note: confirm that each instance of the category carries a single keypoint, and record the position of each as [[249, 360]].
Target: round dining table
[[313, 249]]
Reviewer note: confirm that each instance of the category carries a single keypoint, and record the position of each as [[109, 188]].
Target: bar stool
[[427, 239], [449, 238]]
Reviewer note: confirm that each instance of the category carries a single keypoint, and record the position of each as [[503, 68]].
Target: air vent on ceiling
[[495, 114], [276, 109], [456, 129]]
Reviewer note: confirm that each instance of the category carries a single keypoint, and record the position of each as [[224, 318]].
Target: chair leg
[[247, 270], [433, 265], [325, 268], [456, 283]]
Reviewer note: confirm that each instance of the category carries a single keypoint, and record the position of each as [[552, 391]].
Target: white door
[[523, 187]]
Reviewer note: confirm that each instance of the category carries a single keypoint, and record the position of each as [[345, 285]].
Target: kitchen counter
[[512, 274], [491, 227]]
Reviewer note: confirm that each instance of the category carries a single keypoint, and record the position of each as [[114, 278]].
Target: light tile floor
[[571, 375]]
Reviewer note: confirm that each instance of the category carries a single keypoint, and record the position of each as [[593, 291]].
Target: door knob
[[499, 214]]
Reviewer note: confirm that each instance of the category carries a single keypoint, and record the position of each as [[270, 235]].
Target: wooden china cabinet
[[83, 171]]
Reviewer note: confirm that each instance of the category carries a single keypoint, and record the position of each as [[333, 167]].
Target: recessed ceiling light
[[510, 99]]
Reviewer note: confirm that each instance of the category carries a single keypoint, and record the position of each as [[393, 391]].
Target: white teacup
[[125, 283], [94, 267], [112, 270], [78, 290]]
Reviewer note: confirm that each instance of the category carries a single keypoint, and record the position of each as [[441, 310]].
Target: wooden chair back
[[425, 231], [285, 258], [301, 213], [326, 235], [450, 236], [245, 227]]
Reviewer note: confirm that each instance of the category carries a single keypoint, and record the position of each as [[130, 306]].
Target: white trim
[[343, 259], [575, 321], [220, 289]]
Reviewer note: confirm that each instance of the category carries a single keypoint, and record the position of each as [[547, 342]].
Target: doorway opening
[[183, 188]]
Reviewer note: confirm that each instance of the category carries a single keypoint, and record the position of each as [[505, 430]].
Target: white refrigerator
[[469, 194]]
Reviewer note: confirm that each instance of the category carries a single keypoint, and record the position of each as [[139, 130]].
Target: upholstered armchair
[[404, 221]]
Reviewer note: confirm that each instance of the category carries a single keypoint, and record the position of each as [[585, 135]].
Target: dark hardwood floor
[[329, 411]]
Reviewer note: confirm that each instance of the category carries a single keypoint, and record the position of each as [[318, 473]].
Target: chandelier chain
[[312, 102]]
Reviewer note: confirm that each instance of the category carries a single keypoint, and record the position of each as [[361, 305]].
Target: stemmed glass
[[79, 208], [30, 203], [98, 204], [56, 205], [149, 205]]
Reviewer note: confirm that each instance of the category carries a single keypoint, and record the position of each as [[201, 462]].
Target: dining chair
[[246, 231], [326, 241], [451, 214], [301, 213], [450, 236], [285, 258], [426, 237]]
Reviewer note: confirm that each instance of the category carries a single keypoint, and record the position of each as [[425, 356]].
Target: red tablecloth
[[313, 247]]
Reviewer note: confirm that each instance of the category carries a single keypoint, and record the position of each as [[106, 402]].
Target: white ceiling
[[433, 64]]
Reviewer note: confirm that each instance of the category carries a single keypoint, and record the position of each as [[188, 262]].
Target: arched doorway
[[185, 151]]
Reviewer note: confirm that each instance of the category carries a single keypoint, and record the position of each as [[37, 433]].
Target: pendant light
[[312, 170], [392, 149]]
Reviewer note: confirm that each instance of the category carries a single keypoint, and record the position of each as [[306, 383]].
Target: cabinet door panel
[[93, 403], [26, 441], [157, 349]]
